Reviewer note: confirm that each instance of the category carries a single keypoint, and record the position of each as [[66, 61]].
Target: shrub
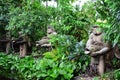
[[29, 68]]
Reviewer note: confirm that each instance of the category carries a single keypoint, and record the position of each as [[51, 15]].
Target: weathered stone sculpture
[[97, 48], [100, 51], [44, 42]]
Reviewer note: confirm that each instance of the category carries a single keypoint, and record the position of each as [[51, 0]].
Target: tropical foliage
[[109, 10], [72, 24]]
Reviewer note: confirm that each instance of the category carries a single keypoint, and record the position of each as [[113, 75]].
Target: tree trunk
[[23, 50], [23, 47], [8, 43], [7, 47], [46, 3]]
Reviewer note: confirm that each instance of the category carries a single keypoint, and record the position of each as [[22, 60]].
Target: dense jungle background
[[71, 21]]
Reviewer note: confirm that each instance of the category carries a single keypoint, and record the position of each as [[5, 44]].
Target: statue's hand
[[87, 51]]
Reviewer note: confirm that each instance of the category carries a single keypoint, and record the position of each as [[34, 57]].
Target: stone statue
[[44, 42], [96, 48]]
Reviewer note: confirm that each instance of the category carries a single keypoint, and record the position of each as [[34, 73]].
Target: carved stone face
[[97, 31], [50, 30]]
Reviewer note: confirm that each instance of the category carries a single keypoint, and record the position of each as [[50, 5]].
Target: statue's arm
[[103, 50], [100, 52]]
